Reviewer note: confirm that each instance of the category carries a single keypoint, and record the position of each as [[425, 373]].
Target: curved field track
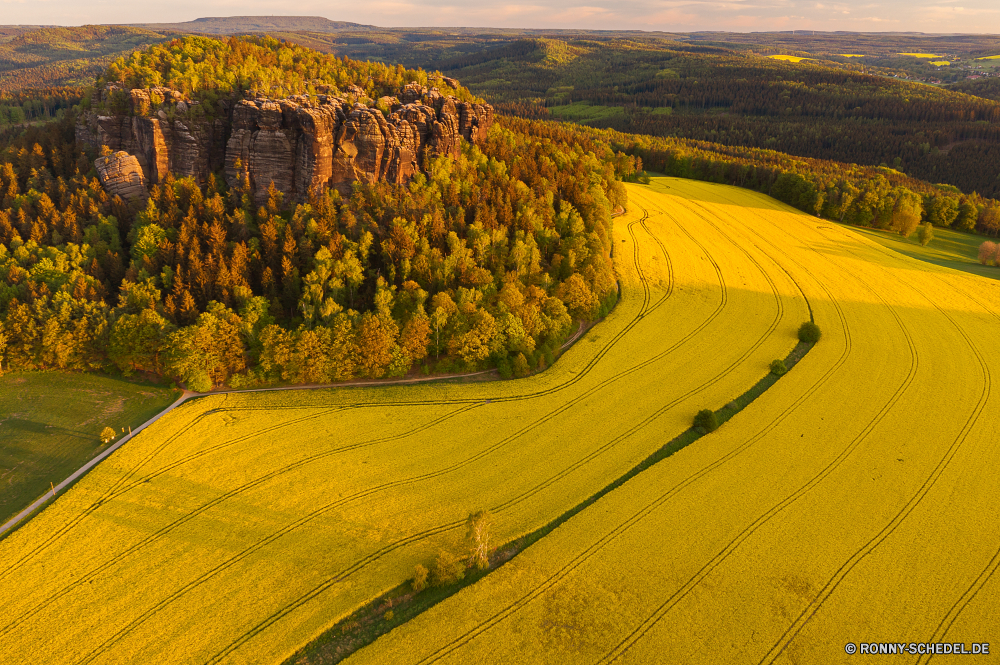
[[239, 527], [855, 501]]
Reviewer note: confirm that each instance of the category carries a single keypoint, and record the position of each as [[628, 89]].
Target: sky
[[972, 16]]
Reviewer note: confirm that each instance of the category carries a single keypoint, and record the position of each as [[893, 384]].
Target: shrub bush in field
[[988, 252], [926, 234], [448, 569], [809, 332], [778, 367], [706, 420], [419, 578]]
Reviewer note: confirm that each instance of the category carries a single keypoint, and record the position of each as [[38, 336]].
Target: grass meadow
[[50, 422], [949, 248]]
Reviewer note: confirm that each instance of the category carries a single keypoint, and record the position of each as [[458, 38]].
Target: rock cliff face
[[298, 145], [121, 175]]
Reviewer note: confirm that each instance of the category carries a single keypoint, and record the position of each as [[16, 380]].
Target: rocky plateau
[[299, 145]]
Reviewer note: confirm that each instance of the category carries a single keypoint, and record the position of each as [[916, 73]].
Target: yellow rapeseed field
[[789, 58], [854, 502], [239, 527], [920, 55]]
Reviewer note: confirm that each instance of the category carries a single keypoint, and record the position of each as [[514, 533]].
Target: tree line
[[862, 195], [31, 105]]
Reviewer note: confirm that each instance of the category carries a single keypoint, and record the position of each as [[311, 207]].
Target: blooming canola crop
[[854, 502], [240, 526]]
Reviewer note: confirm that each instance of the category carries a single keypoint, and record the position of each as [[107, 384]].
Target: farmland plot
[[240, 526], [854, 502]]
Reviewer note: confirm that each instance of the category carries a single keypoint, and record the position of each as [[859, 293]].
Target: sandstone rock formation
[[299, 145], [122, 176]]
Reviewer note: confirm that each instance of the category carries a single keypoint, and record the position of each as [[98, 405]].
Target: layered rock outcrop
[[121, 175], [299, 145]]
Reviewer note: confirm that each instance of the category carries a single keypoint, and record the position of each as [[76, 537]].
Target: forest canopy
[[206, 68], [485, 261]]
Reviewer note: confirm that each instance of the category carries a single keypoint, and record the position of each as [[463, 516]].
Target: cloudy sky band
[[931, 16]]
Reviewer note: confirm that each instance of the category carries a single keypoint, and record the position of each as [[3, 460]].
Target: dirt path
[[14, 521], [187, 394]]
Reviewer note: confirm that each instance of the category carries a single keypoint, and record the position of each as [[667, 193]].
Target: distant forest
[[716, 87], [742, 99]]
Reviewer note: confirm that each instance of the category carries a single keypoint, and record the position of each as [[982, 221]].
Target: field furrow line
[[431, 475], [831, 585], [644, 512]]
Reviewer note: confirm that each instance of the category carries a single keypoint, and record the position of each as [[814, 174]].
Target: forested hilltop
[[484, 258], [54, 57]]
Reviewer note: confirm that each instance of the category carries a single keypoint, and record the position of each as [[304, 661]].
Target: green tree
[[926, 234], [706, 421], [419, 578], [137, 340], [809, 333], [447, 569], [906, 213]]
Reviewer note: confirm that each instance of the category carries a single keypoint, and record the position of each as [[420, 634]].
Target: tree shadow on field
[[834, 250], [13, 427]]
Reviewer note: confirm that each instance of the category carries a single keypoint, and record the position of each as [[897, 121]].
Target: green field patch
[[50, 422], [584, 112], [949, 248]]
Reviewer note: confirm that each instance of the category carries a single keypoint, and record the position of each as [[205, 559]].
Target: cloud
[[673, 15]]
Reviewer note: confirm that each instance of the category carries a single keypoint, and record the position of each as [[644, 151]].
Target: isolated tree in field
[[478, 534], [706, 421], [907, 212], [419, 578], [448, 569], [988, 252], [926, 234], [107, 435], [809, 333], [778, 367]]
